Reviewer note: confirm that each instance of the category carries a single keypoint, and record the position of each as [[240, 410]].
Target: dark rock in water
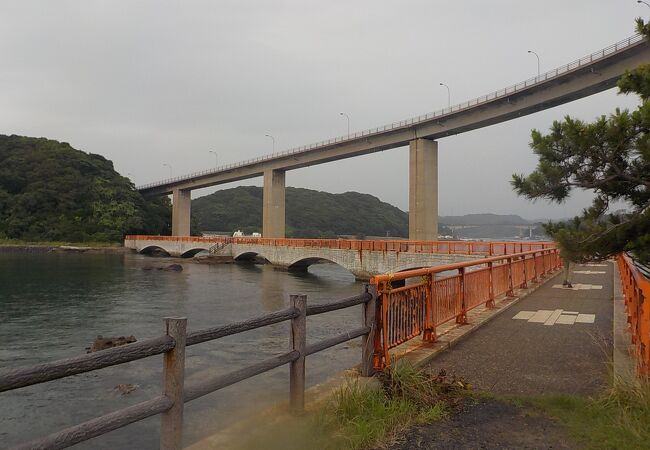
[[126, 388], [172, 268], [102, 343], [147, 268]]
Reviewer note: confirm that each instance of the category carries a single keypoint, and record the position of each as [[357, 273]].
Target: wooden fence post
[[299, 344], [368, 343], [171, 422]]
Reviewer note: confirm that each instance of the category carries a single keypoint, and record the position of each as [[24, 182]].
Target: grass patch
[[619, 418], [359, 416]]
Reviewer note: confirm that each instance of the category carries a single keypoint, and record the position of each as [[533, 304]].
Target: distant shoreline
[[61, 248]]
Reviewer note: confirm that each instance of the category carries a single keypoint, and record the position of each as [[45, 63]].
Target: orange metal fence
[[428, 302], [445, 247], [636, 288]]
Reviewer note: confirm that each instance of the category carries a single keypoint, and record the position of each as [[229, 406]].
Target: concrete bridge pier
[[181, 207], [423, 190], [273, 213]]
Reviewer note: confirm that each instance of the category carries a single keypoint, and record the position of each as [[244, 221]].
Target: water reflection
[[52, 306]]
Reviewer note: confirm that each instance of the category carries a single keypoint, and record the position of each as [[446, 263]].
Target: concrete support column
[[273, 210], [423, 190], [181, 206]]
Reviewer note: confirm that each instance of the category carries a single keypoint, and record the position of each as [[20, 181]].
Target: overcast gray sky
[[147, 83]]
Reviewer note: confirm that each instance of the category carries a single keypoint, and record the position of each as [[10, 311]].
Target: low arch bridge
[[363, 259]]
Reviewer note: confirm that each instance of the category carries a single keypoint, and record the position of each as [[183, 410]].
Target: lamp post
[[530, 51], [273, 139], [216, 158], [170, 169], [645, 3], [448, 94], [347, 117]]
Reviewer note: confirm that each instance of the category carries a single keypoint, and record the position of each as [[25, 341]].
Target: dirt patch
[[488, 424]]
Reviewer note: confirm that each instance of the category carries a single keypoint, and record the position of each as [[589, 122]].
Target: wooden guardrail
[[408, 310], [491, 248], [636, 288], [174, 391]]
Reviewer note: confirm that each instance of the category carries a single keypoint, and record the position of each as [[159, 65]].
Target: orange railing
[[636, 288], [428, 302], [445, 247]]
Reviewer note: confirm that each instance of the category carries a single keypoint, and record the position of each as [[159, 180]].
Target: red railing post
[[381, 334], [461, 319], [429, 334], [510, 292], [523, 262], [370, 320], [490, 302]]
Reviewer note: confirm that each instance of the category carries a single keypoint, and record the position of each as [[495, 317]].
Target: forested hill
[[308, 213], [51, 192]]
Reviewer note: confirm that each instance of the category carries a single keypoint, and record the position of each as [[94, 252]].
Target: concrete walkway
[[553, 341], [545, 343]]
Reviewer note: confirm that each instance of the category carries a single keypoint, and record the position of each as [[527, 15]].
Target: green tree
[[611, 157], [51, 192]]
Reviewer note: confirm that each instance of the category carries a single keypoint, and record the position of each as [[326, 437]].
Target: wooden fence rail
[[174, 391]]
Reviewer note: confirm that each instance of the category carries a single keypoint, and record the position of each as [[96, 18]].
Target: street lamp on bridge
[[347, 117], [448, 94], [216, 158], [530, 51], [170, 169], [645, 3], [273, 139]]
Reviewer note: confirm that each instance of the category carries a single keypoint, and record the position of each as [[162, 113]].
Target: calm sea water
[[53, 305]]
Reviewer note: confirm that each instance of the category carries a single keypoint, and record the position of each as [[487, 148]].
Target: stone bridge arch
[[248, 255], [149, 249], [304, 263], [193, 251]]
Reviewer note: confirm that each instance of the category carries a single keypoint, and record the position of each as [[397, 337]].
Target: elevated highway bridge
[[591, 74]]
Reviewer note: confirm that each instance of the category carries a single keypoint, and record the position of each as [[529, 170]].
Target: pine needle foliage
[[611, 157]]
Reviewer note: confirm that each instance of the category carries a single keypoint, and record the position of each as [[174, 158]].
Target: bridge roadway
[[589, 75], [363, 258]]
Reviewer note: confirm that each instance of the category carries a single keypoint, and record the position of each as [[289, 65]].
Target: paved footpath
[[539, 345], [554, 341]]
